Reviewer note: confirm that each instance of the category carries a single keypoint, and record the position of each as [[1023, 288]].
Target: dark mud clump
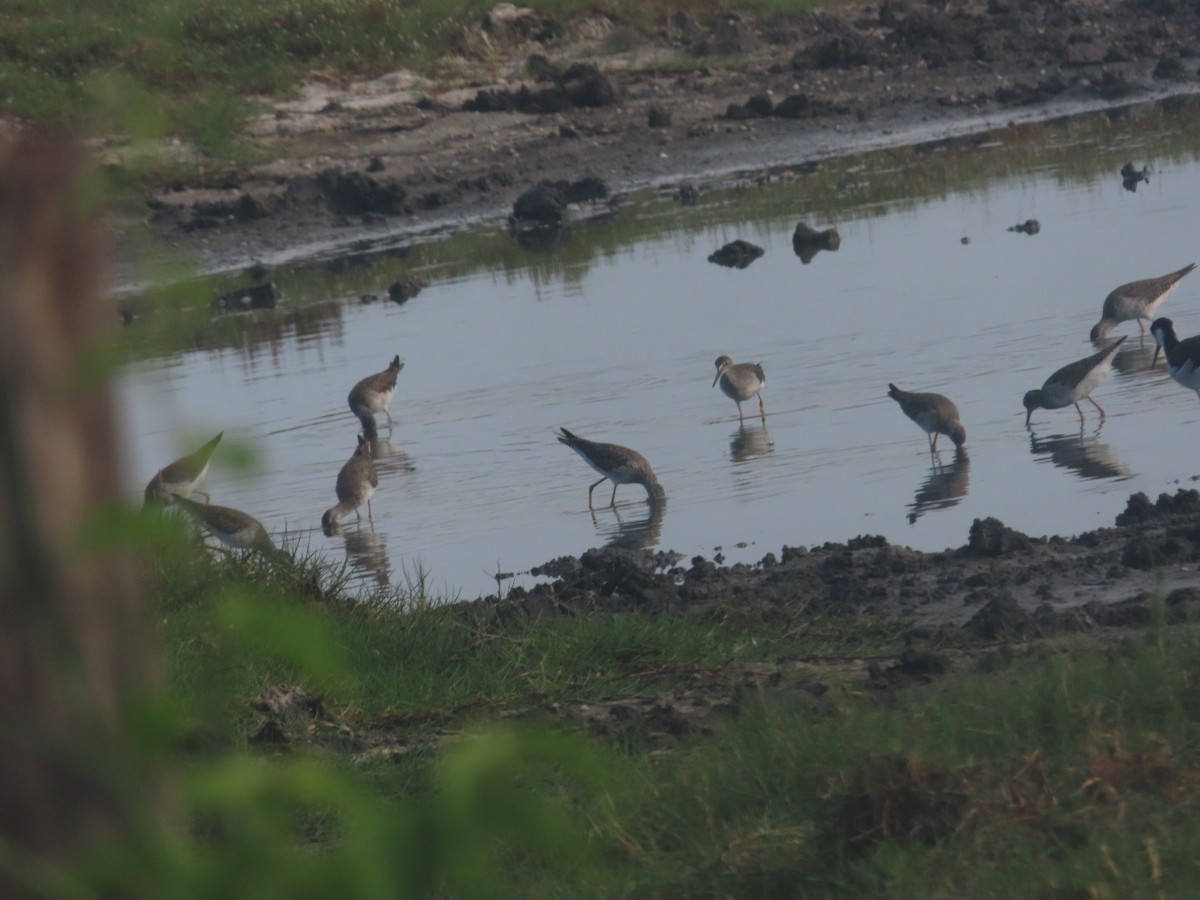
[[807, 241], [736, 254]]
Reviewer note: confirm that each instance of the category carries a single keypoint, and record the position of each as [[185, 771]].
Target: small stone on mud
[[991, 537], [1002, 619]]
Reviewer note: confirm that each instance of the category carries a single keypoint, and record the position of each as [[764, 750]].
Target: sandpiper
[[231, 527], [1073, 383], [936, 414], [373, 394], [620, 464], [1137, 300], [741, 381], [356, 482], [1183, 357], [182, 476]]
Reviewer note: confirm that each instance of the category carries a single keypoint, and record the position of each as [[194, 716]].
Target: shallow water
[[619, 346]]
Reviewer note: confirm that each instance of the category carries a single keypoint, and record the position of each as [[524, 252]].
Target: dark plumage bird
[[1073, 383], [183, 475], [741, 381], [935, 414], [1183, 357], [373, 394], [356, 482], [619, 464], [1137, 300]]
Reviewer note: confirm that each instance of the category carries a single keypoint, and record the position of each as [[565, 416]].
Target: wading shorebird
[[741, 381], [619, 464], [231, 527], [182, 476], [356, 482], [374, 394], [1137, 300], [1183, 357], [934, 413], [1073, 383]]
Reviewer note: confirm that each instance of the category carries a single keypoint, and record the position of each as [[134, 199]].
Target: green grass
[[1068, 769], [194, 67]]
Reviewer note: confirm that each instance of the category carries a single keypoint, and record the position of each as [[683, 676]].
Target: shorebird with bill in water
[[1137, 300], [1183, 357], [373, 394], [935, 414], [741, 381], [182, 476], [619, 464], [356, 483], [1073, 383]]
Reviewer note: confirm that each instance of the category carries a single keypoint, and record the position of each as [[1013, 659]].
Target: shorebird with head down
[[619, 464]]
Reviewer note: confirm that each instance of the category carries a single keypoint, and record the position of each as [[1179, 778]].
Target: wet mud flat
[[1000, 597], [1000, 585], [562, 101], [1002, 592]]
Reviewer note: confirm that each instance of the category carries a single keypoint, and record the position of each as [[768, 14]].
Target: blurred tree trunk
[[73, 645]]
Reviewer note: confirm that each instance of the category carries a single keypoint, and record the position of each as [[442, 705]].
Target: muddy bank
[[1000, 585], [988, 604], [563, 101]]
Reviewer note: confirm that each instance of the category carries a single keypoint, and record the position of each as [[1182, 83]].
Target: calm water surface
[[621, 348]]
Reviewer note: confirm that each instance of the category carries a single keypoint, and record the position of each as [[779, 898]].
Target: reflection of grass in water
[[1084, 149]]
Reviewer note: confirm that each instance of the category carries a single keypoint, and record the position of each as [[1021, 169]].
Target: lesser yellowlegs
[[741, 381], [1137, 300], [231, 527], [1073, 383], [935, 414], [372, 395], [619, 464], [182, 476], [356, 482]]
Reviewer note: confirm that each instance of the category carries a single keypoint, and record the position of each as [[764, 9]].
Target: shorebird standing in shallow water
[[231, 527], [1183, 357], [935, 414], [619, 464], [741, 381], [373, 394], [1073, 383], [182, 476], [356, 482], [1137, 300]]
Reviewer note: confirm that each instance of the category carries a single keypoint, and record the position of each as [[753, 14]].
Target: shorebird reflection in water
[[935, 414], [635, 534], [748, 442], [182, 476], [1137, 300], [944, 487], [619, 464], [1083, 454], [1072, 383], [366, 552], [1183, 357], [373, 394], [741, 381]]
